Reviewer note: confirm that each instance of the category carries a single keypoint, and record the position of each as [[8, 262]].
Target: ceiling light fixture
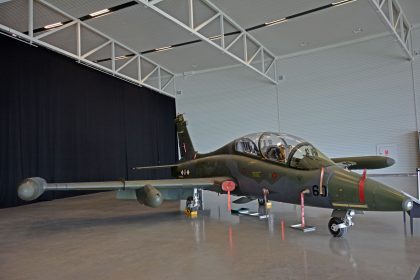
[[121, 57], [98, 13], [335, 4], [215, 37], [357, 30], [163, 49], [108, 11], [54, 25], [274, 22]]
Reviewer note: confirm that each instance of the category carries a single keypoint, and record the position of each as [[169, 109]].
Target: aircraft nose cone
[[347, 190], [390, 161]]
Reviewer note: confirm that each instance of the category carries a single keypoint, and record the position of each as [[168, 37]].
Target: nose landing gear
[[339, 223]]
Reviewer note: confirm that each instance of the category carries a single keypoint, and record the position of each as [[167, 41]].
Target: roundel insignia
[[185, 172], [228, 186]]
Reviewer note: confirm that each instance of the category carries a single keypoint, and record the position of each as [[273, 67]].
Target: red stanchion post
[[302, 226], [229, 203], [302, 210], [228, 186], [282, 230]]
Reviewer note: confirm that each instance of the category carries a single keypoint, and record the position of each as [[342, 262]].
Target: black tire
[[339, 232], [261, 201]]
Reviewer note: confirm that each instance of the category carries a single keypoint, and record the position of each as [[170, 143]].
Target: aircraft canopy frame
[[282, 148]]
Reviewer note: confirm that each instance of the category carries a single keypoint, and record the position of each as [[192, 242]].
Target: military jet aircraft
[[275, 166]]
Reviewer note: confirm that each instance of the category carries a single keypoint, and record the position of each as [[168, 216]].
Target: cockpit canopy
[[282, 148]]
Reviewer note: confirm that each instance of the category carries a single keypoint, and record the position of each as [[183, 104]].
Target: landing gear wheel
[[335, 230], [189, 200], [261, 201], [192, 204]]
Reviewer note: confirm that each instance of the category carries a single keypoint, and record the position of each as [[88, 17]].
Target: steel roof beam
[[242, 33], [396, 22]]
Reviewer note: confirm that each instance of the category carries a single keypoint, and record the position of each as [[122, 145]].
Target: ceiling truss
[[395, 20], [227, 36], [125, 62], [265, 65]]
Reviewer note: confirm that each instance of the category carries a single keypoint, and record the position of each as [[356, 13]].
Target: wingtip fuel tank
[[31, 188]]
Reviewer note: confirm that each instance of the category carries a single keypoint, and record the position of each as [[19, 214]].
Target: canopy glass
[[282, 148]]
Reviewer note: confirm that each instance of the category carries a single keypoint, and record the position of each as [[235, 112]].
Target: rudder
[[186, 147]]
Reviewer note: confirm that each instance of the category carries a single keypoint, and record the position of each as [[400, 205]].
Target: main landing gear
[[339, 223], [264, 201], [193, 204]]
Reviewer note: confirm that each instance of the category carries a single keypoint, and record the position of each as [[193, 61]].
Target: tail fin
[[186, 147]]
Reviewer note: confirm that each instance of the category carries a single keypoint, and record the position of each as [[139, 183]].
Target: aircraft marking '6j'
[[279, 164]]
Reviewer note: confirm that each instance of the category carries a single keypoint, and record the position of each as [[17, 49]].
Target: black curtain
[[66, 122]]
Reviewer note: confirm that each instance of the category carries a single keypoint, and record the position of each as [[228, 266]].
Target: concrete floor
[[99, 237]]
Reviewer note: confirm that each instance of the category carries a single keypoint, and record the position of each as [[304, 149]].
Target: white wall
[[223, 105], [416, 70], [348, 100], [345, 100]]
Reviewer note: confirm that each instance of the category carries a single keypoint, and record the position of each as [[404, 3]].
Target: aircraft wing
[[364, 162], [32, 188]]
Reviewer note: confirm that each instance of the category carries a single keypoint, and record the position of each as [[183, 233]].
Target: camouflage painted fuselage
[[341, 189]]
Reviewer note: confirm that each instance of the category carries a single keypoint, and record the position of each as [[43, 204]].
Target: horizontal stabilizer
[[154, 167], [366, 162], [243, 200]]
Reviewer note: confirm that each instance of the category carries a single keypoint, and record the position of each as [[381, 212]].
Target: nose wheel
[[337, 227], [339, 223]]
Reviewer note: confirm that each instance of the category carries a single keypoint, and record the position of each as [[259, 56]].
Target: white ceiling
[[331, 26], [142, 29]]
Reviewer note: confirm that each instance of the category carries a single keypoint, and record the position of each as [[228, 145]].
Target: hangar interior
[[344, 75]]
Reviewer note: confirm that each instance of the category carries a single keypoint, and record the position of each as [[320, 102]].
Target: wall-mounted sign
[[387, 150]]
